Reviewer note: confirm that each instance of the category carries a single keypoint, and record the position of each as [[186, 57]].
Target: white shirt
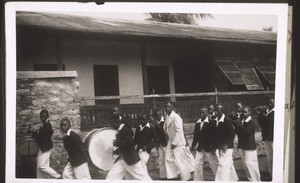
[[142, 127], [68, 133], [221, 119], [239, 114], [161, 120], [202, 122], [269, 111], [246, 120], [121, 126]]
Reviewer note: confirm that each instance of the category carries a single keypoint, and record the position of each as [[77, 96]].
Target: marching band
[[213, 141]]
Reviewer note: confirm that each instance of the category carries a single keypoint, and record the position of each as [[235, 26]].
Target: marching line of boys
[[213, 138]]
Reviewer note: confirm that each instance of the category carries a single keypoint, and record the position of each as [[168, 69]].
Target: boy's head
[[143, 119], [65, 125], [116, 112], [219, 109], [169, 107], [271, 103], [203, 112], [239, 106], [44, 115], [246, 112], [211, 108]]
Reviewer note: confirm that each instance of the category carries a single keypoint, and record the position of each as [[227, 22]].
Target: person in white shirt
[[176, 157], [145, 139], [44, 139], [128, 163], [203, 140], [77, 166], [162, 143], [245, 129], [266, 121], [224, 136]]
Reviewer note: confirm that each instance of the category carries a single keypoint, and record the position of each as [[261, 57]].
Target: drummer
[[44, 139], [145, 139], [128, 161]]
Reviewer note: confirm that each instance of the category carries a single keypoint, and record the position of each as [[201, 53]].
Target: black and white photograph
[[145, 91]]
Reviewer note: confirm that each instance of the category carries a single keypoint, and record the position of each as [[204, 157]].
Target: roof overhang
[[148, 29]]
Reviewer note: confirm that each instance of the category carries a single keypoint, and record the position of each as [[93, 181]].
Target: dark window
[[47, 67], [106, 83], [192, 76], [241, 73], [158, 80]]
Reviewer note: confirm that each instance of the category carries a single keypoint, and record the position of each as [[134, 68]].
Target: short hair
[[204, 108], [239, 102], [169, 102], [144, 114], [269, 97], [116, 108], [45, 111], [219, 105], [248, 108], [67, 120]]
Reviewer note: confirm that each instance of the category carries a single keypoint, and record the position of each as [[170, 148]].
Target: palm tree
[[270, 29], [181, 18]]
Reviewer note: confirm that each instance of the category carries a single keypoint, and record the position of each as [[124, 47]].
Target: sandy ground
[[29, 171], [208, 175]]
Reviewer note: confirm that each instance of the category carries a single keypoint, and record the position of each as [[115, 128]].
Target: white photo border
[[280, 10]]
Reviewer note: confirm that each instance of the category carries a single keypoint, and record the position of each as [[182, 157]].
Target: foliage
[[270, 29], [181, 18]]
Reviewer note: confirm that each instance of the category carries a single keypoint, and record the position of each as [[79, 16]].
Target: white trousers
[[161, 162], [144, 156], [250, 164], [43, 169], [79, 172], [213, 162], [269, 154], [121, 168], [177, 162], [199, 161], [226, 170]]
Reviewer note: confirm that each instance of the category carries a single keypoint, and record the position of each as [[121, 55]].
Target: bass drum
[[28, 147], [99, 145]]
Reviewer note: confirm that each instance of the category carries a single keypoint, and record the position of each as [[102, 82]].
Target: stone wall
[[56, 92]]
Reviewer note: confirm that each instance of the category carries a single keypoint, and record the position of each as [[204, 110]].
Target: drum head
[[28, 147], [100, 148]]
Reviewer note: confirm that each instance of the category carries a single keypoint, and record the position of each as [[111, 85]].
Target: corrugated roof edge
[[258, 37]]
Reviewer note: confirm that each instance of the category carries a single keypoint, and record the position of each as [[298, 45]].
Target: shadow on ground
[[208, 175]]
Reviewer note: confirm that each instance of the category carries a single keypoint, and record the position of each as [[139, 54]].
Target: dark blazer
[[246, 135], [223, 134], [204, 137], [126, 146], [44, 137], [147, 137], [162, 138], [267, 125], [75, 149]]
